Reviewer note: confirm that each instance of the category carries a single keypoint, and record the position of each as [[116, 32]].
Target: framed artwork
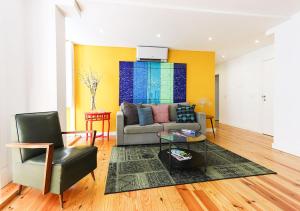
[[152, 82]]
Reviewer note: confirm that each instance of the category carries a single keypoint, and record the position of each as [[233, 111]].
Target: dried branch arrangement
[[91, 80]]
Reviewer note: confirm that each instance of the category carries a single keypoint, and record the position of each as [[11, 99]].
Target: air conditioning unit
[[152, 53]]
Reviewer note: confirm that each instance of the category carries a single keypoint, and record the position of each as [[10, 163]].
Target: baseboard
[[285, 150], [210, 130], [112, 133]]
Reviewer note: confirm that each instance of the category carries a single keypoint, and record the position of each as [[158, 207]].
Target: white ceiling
[[234, 25]]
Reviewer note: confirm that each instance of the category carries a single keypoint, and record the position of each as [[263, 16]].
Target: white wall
[[240, 82], [45, 57], [287, 87], [60, 53], [12, 73], [32, 66]]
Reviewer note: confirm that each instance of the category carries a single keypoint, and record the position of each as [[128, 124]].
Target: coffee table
[[171, 137]]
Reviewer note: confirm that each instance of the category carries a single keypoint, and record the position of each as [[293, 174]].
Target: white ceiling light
[[101, 31], [223, 56], [256, 41], [210, 38], [158, 35]]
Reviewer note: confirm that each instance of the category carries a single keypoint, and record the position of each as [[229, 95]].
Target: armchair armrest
[[201, 119], [94, 132], [48, 161], [29, 145], [120, 128]]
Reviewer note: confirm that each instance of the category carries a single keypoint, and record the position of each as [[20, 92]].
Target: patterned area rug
[[138, 167]]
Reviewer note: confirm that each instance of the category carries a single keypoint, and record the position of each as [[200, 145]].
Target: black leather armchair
[[40, 159]]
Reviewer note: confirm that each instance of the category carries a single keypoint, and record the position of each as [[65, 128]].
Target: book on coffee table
[[180, 155], [189, 132]]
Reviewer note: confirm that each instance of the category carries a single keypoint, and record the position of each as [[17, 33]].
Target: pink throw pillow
[[160, 113]]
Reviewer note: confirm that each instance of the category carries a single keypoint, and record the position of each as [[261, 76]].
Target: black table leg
[[212, 125], [170, 158], [159, 144], [205, 143]]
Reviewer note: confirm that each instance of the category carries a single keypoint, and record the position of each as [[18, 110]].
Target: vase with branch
[[91, 80], [204, 103]]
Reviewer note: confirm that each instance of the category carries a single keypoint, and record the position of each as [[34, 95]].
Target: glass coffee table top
[[176, 136]]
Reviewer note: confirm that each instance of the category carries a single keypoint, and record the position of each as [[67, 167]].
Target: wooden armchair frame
[[48, 162]]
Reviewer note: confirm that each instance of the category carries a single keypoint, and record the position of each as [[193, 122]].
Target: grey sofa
[[136, 134]]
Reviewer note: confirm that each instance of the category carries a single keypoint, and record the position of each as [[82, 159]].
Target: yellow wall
[[105, 60]]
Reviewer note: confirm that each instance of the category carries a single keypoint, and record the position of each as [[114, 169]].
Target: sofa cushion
[[145, 116], [173, 110], [160, 113], [130, 113], [133, 129], [177, 126]]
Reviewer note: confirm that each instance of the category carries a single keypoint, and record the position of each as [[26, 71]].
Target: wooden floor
[[270, 192]]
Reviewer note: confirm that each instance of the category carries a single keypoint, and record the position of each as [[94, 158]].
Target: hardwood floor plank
[[277, 199], [280, 188], [206, 200], [188, 198]]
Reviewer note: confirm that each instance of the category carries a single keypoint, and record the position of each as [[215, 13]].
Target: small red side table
[[91, 117]]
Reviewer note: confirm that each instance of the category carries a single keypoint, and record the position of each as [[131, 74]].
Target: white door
[[267, 96]]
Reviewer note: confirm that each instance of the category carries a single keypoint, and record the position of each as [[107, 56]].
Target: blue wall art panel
[[126, 82], [179, 92], [140, 81], [152, 82]]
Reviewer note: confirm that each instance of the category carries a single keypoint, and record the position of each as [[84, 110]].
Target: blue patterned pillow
[[185, 113], [145, 116]]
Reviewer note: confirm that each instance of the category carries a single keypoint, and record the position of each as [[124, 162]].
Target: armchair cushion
[[42, 127]]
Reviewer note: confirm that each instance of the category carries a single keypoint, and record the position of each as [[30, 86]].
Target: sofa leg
[[20, 189], [93, 175], [61, 200]]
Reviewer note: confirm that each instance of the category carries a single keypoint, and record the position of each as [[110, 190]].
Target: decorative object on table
[[91, 117], [152, 82], [185, 113], [203, 103], [91, 80], [145, 116], [210, 117], [128, 164]]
